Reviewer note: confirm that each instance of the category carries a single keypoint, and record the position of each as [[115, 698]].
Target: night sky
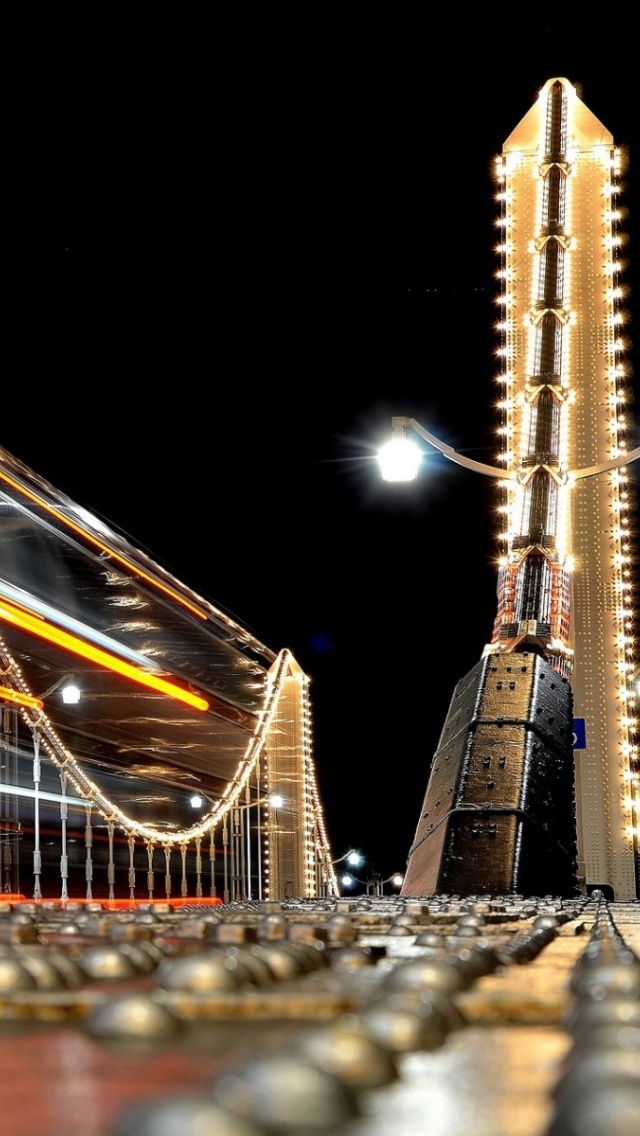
[[228, 278]]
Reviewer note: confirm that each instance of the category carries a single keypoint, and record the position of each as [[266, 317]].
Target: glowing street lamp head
[[71, 693], [399, 459]]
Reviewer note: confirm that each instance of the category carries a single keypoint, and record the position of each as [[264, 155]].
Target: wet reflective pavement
[[485, 1016]]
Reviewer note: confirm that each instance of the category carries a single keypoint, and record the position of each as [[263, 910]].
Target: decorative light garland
[[65, 761]]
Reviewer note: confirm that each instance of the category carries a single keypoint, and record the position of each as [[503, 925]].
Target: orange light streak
[[103, 547], [36, 625], [20, 699]]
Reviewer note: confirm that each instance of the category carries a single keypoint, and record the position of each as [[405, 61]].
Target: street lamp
[[374, 885], [352, 857], [399, 457], [534, 615], [241, 847], [348, 880]]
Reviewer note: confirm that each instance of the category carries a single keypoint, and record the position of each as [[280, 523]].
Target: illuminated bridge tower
[[498, 812], [566, 580]]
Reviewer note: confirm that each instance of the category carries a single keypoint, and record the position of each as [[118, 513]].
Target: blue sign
[[579, 734]]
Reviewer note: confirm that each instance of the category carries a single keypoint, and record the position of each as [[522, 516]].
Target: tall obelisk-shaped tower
[[555, 688], [566, 580]]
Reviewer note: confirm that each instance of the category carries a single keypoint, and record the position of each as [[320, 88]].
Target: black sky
[[229, 275]]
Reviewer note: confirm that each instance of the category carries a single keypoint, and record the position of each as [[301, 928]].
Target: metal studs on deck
[[287, 1095], [204, 973], [319, 966], [185, 1116], [133, 1017], [347, 1049], [598, 1093]]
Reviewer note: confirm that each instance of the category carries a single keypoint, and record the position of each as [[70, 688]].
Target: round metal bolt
[[341, 930], [402, 1029], [310, 957], [15, 976], [156, 952], [73, 976], [420, 974], [612, 1111], [404, 919], [463, 934], [287, 1095], [348, 1050], [591, 1014], [19, 928], [193, 929], [147, 919], [25, 912], [258, 969], [205, 973], [351, 958], [143, 961], [567, 916], [430, 939], [48, 977], [609, 979], [477, 961], [432, 1000], [107, 963], [272, 927], [593, 1071], [132, 932], [545, 922], [133, 1016], [608, 1036], [472, 919], [284, 962], [184, 1116], [70, 929]]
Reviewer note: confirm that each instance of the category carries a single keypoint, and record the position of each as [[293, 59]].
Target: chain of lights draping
[[64, 760], [620, 421], [322, 849], [620, 496]]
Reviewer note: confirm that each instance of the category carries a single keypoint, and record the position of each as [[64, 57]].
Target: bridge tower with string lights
[[535, 784]]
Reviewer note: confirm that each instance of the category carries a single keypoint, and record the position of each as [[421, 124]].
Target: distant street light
[[352, 857], [374, 885]]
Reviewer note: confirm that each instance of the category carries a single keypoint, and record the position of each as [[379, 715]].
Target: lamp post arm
[[400, 423], [450, 453], [351, 853], [614, 463]]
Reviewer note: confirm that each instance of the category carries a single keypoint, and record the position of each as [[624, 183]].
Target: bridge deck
[[183, 1011]]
